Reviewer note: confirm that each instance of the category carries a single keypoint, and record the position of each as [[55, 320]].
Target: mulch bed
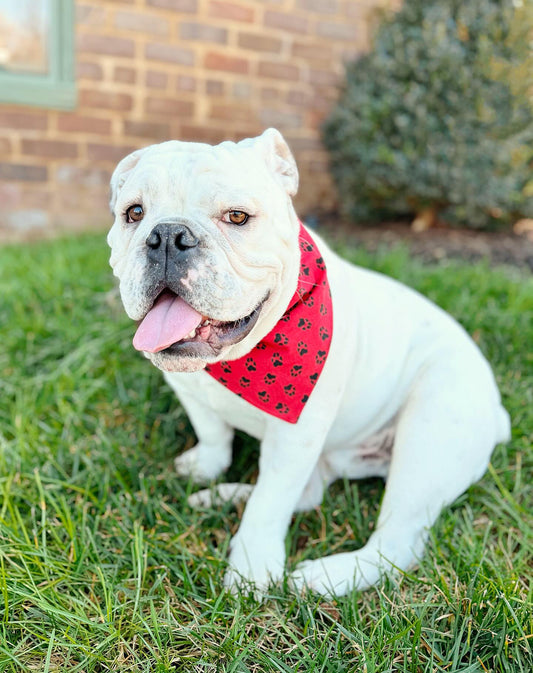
[[438, 242]]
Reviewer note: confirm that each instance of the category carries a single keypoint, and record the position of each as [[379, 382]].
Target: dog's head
[[205, 246]]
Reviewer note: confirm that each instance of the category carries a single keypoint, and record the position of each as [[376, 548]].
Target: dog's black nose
[[171, 237]]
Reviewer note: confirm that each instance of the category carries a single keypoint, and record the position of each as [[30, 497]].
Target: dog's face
[[205, 246]]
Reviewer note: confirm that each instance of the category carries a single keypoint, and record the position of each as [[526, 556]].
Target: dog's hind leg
[[445, 434]]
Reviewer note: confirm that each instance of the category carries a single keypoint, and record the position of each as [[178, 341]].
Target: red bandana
[[279, 374]]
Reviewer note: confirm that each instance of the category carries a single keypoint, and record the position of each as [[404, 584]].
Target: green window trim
[[56, 89]]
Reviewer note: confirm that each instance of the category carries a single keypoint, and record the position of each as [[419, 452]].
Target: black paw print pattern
[[304, 323], [279, 374], [305, 246], [277, 359]]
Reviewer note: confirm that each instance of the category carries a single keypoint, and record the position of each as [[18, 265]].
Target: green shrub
[[437, 117]]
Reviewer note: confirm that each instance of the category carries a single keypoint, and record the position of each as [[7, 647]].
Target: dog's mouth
[[174, 327]]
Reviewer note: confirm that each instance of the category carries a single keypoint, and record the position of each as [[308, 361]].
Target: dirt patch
[[439, 242]]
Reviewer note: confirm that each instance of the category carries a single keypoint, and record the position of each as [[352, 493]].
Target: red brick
[[311, 52], [242, 90], [169, 53], [190, 6], [319, 166], [106, 100], [142, 22], [36, 195], [201, 31], [86, 70], [214, 87], [279, 71], [169, 106], [52, 149], [15, 194], [219, 61], [337, 31], [319, 6], [239, 113], [185, 83], [105, 44], [309, 144], [281, 118], [86, 176], [5, 146], [147, 129], [156, 80], [11, 192], [23, 120], [89, 15], [124, 75], [323, 77], [287, 22], [75, 123], [361, 11], [231, 11], [22, 172], [26, 220], [98, 152], [300, 98], [270, 93], [259, 42], [203, 134]]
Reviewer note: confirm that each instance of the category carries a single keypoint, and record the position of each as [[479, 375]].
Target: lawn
[[104, 567]]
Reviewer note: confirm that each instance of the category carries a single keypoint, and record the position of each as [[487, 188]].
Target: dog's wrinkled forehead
[[191, 171], [199, 178]]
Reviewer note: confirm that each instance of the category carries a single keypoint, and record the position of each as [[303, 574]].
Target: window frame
[[56, 88]]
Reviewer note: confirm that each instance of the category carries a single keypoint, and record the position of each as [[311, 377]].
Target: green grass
[[103, 567]]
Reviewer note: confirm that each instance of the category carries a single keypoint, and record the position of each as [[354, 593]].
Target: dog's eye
[[134, 213], [238, 217]]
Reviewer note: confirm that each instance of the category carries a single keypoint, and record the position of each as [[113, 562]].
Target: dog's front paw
[[202, 463], [254, 566], [336, 575]]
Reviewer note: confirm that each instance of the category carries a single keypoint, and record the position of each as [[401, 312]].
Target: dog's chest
[[225, 404]]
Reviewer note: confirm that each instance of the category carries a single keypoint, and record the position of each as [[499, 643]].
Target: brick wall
[[150, 70]]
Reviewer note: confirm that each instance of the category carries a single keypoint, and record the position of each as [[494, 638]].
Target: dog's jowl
[[340, 372]]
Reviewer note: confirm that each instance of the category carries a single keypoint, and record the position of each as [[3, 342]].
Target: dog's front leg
[[212, 454], [287, 458]]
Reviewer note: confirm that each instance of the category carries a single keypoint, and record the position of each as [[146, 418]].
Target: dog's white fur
[[405, 394]]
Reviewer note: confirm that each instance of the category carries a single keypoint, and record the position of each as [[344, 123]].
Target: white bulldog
[[205, 245]]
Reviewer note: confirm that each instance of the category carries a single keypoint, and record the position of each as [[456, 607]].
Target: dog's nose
[[168, 238]]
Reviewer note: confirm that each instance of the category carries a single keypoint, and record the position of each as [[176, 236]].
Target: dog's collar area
[[279, 374]]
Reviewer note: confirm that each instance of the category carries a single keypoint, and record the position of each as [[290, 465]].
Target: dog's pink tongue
[[168, 321]]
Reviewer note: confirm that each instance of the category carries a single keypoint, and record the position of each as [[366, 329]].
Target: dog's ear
[[279, 158], [121, 172]]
